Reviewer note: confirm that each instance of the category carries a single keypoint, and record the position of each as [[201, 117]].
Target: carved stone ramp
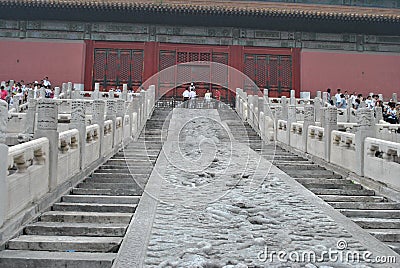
[[86, 227], [212, 201], [376, 214]]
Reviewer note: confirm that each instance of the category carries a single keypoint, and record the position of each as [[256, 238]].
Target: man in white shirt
[[186, 97], [338, 98]]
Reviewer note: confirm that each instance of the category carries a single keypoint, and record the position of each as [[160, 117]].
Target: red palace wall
[[32, 60], [360, 72]]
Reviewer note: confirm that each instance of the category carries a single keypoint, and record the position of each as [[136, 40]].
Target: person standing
[[3, 93], [186, 97], [193, 96]]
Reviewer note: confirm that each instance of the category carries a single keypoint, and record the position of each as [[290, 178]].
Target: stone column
[[4, 162], [42, 93], [266, 108], [291, 119], [64, 89], [364, 129], [69, 90], [285, 108], [120, 108], [96, 92], [277, 116], [317, 109], [124, 92], [309, 120], [111, 94], [56, 92], [98, 118], [378, 114], [394, 97], [348, 110], [111, 114], [30, 117], [324, 98], [16, 103], [330, 124], [78, 121], [292, 97], [47, 127], [135, 124]]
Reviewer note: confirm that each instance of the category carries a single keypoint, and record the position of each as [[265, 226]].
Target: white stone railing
[[388, 132], [28, 178], [73, 154], [296, 136], [382, 161], [68, 155], [343, 151], [281, 131], [92, 144], [315, 141]]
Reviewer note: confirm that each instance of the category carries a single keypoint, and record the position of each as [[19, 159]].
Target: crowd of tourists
[[10, 89], [390, 111]]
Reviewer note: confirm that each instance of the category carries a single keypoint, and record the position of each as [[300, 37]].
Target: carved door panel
[[114, 67]]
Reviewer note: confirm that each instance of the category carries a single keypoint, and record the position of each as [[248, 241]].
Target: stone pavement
[[213, 202]]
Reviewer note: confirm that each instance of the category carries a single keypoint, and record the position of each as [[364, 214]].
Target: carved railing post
[[78, 121], [309, 119], [96, 92], [111, 114], [47, 127], [364, 129], [98, 118], [330, 124], [3, 163]]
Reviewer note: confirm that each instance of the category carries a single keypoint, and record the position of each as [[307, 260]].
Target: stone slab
[[212, 202]]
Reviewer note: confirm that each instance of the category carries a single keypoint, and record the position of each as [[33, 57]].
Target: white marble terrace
[[65, 138]]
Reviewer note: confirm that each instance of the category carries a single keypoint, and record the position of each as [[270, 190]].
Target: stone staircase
[[86, 227], [376, 214]]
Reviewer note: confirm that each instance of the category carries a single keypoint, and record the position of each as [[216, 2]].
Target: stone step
[[386, 235], [377, 223], [294, 174], [91, 207], [116, 171], [306, 181], [395, 246], [110, 180], [289, 158], [65, 243], [111, 175], [46, 259], [75, 229], [110, 185], [101, 199], [125, 192], [122, 168], [327, 185], [297, 166], [370, 213], [365, 205], [315, 172], [341, 198], [88, 217], [363, 192]]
